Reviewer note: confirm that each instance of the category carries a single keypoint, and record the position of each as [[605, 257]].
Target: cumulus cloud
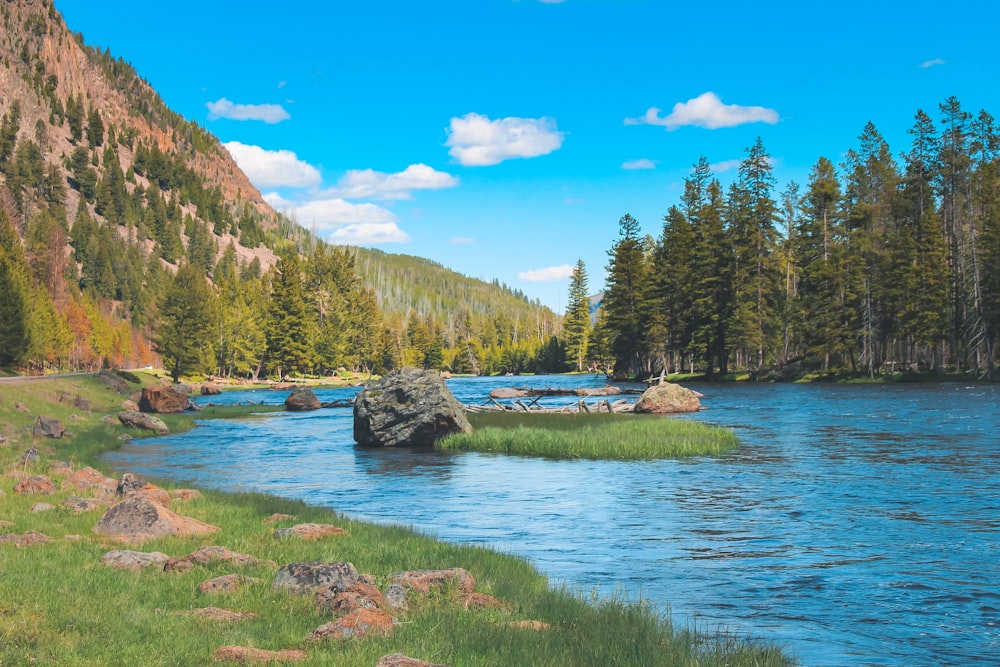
[[461, 240], [269, 113], [371, 184], [707, 111], [641, 163], [547, 275], [369, 233], [273, 169], [932, 63], [477, 141]]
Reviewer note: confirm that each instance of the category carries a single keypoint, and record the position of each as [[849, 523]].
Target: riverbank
[[59, 605]]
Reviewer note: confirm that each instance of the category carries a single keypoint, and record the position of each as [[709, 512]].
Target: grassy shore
[[59, 606], [591, 436]]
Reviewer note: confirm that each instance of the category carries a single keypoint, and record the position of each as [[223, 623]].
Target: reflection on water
[[857, 525]]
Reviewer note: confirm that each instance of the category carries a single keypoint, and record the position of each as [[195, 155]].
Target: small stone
[[133, 560], [355, 625], [36, 484], [30, 456], [81, 505], [223, 615], [395, 596], [252, 656], [400, 660], [210, 554], [310, 531], [227, 583], [276, 517], [41, 507], [48, 427]]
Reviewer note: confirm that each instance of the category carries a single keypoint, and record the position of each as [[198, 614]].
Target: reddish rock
[[355, 625], [133, 560], [227, 583], [210, 554], [423, 580], [302, 399], [185, 494], [163, 400], [36, 484], [210, 389], [483, 601], [81, 505], [89, 479], [400, 660], [310, 531], [358, 596], [223, 615], [138, 519], [154, 493], [306, 577], [29, 539], [130, 406], [668, 398], [276, 517], [252, 656]]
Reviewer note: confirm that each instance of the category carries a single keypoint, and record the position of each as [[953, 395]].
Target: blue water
[[858, 525]]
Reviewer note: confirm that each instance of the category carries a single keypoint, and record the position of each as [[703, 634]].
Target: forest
[[878, 265]]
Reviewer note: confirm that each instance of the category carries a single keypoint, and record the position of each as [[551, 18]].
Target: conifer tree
[[289, 330], [187, 321], [576, 324], [623, 298]]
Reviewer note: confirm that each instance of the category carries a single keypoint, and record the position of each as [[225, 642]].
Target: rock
[[483, 601], [667, 398], [395, 596], [61, 468], [185, 389], [600, 391], [508, 392], [163, 400], [224, 615], [185, 494], [407, 407], [30, 456], [113, 381], [48, 427], [400, 660], [143, 421], [276, 517], [358, 596], [123, 559], [138, 519], [41, 507], [125, 437], [29, 539], [128, 484], [210, 554], [301, 399], [210, 389], [130, 406], [310, 531], [80, 403], [81, 505], [227, 583], [306, 577], [355, 625], [423, 580], [36, 484], [90, 479], [20, 407], [251, 656]]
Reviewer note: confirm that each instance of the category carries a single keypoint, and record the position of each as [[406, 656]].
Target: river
[[857, 525]]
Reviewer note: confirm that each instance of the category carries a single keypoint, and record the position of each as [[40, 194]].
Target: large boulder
[[407, 407], [137, 519], [210, 389], [302, 399], [48, 427], [307, 577], [668, 398], [163, 399], [141, 420]]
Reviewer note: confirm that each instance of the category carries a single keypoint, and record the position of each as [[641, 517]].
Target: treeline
[[876, 265]]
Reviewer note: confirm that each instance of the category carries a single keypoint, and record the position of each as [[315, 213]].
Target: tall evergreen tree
[[576, 323], [187, 322], [13, 297], [289, 330], [623, 298]]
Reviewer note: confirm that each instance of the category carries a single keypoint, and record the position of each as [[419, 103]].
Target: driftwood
[[521, 392], [618, 407]]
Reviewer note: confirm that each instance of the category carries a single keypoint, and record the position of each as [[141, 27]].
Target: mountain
[[105, 192]]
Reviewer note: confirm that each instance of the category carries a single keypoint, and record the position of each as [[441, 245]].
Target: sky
[[505, 139]]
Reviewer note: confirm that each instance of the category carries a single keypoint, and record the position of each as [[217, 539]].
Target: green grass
[[591, 436], [59, 606]]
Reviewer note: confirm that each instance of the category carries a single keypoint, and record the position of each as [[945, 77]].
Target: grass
[[591, 436], [59, 606]]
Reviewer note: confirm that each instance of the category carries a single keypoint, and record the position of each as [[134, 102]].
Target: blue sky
[[504, 139]]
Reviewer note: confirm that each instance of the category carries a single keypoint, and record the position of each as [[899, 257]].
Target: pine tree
[[576, 323], [289, 330], [187, 321], [623, 298]]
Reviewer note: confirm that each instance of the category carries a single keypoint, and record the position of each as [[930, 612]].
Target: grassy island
[[60, 606], [591, 436]]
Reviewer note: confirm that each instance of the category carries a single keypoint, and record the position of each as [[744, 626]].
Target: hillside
[[105, 192]]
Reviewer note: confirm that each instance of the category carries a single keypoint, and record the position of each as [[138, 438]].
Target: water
[[858, 525]]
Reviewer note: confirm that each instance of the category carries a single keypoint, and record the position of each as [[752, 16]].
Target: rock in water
[[668, 398], [302, 399], [163, 400], [407, 407]]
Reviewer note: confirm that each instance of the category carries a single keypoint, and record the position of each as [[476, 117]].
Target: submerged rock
[[407, 407], [302, 399]]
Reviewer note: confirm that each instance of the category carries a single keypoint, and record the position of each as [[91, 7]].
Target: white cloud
[[371, 184], [707, 111], [369, 233], [333, 216], [547, 275], [273, 169], [462, 240], [932, 63], [641, 163], [725, 165], [269, 113], [477, 141]]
